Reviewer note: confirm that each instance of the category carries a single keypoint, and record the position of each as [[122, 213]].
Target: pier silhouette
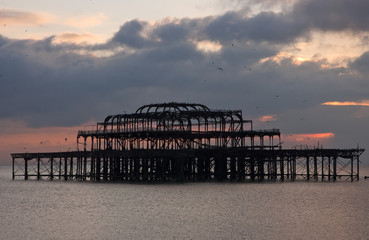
[[185, 142]]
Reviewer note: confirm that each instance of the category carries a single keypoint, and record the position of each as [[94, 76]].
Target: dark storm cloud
[[38, 79], [130, 34], [276, 28], [3, 41], [139, 34], [362, 63], [284, 27], [232, 26], [172, 33], [48, 84], [332, 15], [265, 26]]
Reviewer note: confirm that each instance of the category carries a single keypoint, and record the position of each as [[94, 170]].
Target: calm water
[[81, 210]]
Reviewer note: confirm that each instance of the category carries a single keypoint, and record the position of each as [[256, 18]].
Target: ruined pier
[[185, 142]]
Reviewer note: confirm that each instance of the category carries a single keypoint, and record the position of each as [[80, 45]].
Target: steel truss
[[185, 142]]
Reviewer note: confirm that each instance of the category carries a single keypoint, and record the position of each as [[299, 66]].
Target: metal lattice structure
[[178, 126], [185, 142]]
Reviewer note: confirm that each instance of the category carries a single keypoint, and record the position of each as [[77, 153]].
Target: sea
[[213, 210]]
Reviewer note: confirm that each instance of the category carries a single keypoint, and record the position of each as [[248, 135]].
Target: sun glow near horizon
[[308, 137], [347, 103]]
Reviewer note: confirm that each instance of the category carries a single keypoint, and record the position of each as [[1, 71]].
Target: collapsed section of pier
[[185, 142]]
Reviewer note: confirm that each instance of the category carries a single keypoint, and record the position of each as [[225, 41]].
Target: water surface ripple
[[84, 210]]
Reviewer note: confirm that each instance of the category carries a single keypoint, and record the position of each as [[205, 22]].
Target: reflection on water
[[81, 210]]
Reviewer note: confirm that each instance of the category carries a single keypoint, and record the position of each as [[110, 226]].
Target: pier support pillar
[[38, 169], [25, 169], [334, 168], [307, 168], [65, 168], [315, 168], [220, 167], [51, 168], [357, 166], [13, 173], [281, 162]]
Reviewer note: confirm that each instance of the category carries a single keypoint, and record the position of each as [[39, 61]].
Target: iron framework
[[185, 142]]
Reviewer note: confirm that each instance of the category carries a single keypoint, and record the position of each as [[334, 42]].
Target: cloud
[[208, 46], [308, 140], [300, 137], [54, 79], [332, 15], [46, 83], [228, 28], [361, 63], [10, 17], [76, 38], [268, 118], [265, 26], [297, 21], [337, 103], [131, 34], [86, 21], [172, 32]]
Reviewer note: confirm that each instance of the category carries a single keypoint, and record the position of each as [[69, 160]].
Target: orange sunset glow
[[44, 139], [268, 118], [305, 137], [16, 136], [337, 103]]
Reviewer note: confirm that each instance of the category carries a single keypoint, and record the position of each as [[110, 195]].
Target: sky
[[301, 66]]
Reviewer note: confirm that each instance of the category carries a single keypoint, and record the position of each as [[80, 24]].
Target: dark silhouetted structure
[[185, 142]]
